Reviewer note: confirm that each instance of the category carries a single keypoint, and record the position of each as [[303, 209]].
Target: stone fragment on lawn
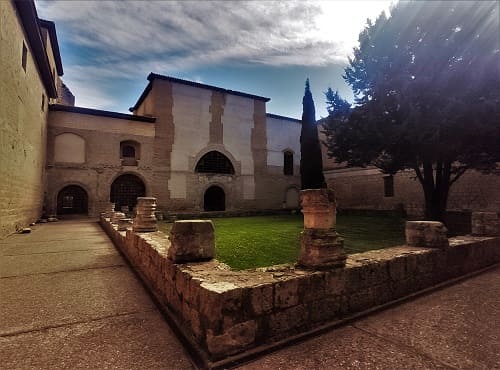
[[191, 241], [430, 234]]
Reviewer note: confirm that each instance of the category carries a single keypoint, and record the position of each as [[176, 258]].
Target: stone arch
[[125, 189], [72, 200], [69, 148], [214, 198], [292, 197], [218, 148]]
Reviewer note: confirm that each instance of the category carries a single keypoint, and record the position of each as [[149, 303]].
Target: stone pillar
[[485, 223], [320, 245], [192, 241], [145, 220], [116, 217], [430, 234]]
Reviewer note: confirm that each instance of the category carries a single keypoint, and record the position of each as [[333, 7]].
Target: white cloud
[[190, 33], [130, 39]]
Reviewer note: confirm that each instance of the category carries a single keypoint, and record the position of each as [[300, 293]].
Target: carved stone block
[[430, 234], [321, 248], [318, 207], [192, 240]]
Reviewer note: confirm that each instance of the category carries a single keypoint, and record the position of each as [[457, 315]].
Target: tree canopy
[[427, 87], [311, 161]]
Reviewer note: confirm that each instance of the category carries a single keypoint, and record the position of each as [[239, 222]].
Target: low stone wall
[[228, 312]]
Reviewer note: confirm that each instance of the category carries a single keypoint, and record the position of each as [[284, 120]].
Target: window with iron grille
[[214, 162], [288, 163], [128, 151]]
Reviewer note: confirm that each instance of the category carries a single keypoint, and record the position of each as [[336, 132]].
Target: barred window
[[288, 163], [214, 162], [128, 151]]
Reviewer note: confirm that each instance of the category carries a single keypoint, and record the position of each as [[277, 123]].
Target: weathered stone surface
[[321, 248], [485, 223], [116, 217], [229, 312], [233, 339], [192, 240], [318, 207], [261, 299], [430, 234], [286, 293], [145, 220]]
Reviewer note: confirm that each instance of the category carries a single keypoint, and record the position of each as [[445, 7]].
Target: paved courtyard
[[69, 300]]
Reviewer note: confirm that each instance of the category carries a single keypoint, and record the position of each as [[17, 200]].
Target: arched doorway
[[214, 199], [125, 190], [72, 200]]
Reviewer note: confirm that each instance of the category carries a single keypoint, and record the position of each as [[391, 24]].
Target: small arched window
[[129, 152], [288, 163], [215, 162]]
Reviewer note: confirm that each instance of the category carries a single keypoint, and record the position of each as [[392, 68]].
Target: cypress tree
[[311, 161]]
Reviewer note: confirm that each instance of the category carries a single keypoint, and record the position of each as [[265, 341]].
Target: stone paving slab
[[344, 348], [76, 304], [55, 231], [18, 265], [453, 328], [459, 325], [37, 301], [35, 247], [136, 341]]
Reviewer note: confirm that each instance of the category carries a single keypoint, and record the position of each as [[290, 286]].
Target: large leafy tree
[[427, 87], [311, 161]]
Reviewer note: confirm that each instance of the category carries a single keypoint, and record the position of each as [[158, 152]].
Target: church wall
[[50, 56], [357, 188], [281, 135], [159, 104], [23, 127], [102, 165], [206, 120]]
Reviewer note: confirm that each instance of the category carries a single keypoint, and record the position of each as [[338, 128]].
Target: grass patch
[[249, 242]]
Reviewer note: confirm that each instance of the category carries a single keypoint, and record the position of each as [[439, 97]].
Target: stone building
[[194, 147]]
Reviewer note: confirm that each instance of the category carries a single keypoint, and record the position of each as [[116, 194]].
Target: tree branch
[[459, 174], [419, 174]]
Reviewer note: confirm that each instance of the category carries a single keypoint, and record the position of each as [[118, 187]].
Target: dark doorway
[[125, 190], [214, 199], [72, 200]]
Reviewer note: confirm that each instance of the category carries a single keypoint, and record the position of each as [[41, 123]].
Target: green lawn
[[249, 242]]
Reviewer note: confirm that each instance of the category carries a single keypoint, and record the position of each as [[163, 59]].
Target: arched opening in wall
[[72, 200], [215, 162], [129, 152], [125, 190], [292, 198], [214, 199]]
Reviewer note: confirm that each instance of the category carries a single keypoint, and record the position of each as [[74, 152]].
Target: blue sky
[[266, 48]]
